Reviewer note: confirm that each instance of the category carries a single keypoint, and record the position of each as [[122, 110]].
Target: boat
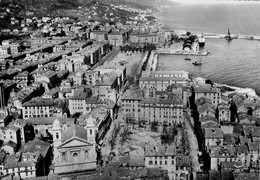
[[201, 41], [196, 63], [187, 59], [228, 36]]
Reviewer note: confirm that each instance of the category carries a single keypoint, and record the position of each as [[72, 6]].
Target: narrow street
[[193, 144]]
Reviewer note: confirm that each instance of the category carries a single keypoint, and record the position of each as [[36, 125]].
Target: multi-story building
[[182, 74], [117, 38], [12, 133], [37, 108], [213, 136], [204, 107], [243, 155], [159, 83], [81, 103], [223, 113], [220, 154], [163, 157], [15, 48], [169, 111], [144, 38], [23, 76], [208, 92], [93, 53], [5, 88], [32, 160], [40, 107], [183, 167], [131, 103], [5, 117], [50, 78], [254, 151], [100, 36], [4, 50], [97, 123], [182, 91], [92, 77]]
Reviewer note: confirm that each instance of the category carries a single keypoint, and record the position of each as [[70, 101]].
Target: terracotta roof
[[251, 130], [208, 118], [247, 176], [223, 151], [242, 149], [38, 102], [175, 100], [132, 94], [154, 79], [49, 121], [213, 133], [202, 101], [160, 150], [253, 146], [204, 89], [36, 145]]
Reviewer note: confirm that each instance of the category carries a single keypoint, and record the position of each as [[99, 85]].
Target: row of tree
[[138, 48], [113, 138]]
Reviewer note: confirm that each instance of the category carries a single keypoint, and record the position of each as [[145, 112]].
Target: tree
[[112, 140], [168, 134], [112, 143], [165, 134], [154, 126], [130, 121], [125, 136]]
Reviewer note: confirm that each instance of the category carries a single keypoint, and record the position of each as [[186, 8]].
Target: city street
[[193, 144]]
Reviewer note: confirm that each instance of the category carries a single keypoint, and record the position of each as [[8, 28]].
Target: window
[[90, 132], [160, 162], [75, 157], [64, 157], [165, 162], [155, 162], [86, 154], [172, 162], [150, 162]]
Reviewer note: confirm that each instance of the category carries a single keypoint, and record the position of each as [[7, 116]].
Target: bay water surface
[[235, 63]]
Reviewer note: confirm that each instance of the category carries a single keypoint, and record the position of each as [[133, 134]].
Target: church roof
[[75, 131]]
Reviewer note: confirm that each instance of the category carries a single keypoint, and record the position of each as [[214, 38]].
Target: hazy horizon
[[213, 1]]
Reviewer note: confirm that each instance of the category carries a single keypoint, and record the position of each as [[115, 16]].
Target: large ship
[[201, 41]]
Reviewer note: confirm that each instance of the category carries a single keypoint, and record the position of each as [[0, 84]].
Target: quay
[[182, 52]]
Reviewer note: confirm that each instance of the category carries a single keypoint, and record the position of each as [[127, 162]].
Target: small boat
[[187, 59], [196, 63]]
